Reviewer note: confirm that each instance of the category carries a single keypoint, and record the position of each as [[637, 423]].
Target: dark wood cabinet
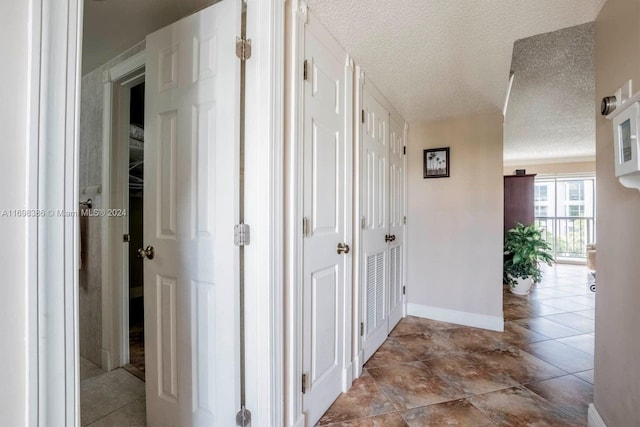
[[518, 200]]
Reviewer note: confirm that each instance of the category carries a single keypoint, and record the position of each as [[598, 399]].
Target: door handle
[[393, 237], [343, 248], [388, 238], [148, 252]]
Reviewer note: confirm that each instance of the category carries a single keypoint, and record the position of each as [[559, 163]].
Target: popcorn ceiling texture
[[552, 107], [435, 59]]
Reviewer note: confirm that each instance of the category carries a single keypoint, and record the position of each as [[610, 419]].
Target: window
[[576, 190], [541, 211], [575, 210], [564, 208], [541, 193]]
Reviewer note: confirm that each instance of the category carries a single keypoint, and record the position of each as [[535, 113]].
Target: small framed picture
[[436, 162]]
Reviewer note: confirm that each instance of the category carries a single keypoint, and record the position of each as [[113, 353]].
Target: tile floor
[[539, 372], [110, 399]]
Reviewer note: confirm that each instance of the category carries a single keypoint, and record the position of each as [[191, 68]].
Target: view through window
[[565, 211]]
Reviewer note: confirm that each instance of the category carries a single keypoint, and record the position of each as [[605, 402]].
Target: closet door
[[396, 219], [375, 212], [325, 111]]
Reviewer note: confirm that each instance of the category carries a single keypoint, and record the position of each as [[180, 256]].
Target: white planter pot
[[522, 286]]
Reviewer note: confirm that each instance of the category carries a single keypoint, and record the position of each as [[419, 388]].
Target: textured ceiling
[[551, 111], [113, 26], [436, 59]]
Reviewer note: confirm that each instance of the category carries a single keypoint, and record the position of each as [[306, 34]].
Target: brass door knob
[[148, 252], [343, 248]]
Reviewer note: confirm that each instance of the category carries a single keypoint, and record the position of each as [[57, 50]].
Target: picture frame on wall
[[436, 162]]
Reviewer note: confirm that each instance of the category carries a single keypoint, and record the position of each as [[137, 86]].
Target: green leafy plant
[[524, 250]]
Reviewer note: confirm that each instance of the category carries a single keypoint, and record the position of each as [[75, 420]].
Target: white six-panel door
[[374, 188], [324, 212], [191, 142], [396, 219]]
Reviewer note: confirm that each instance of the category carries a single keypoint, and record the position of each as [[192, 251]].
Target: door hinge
[[304, 70], [363, 222], [404, 220], [361, 329], [126, 238], [404, 290], [305, 227], [404, 150], [241, 234], [243, 417], [362, 114], [304, 383], [243, 48]]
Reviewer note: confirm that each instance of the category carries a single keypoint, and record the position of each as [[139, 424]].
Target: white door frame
[[55, 39], [296, 15], [115, 255], [358, 288]]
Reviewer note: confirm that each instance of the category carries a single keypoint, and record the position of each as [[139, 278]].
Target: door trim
[[405, 209], [55, 39], [296, 18], [115, 268], [264, 211], [55, 30]]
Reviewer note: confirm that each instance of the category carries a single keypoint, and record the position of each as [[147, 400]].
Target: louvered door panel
[[375, 210]]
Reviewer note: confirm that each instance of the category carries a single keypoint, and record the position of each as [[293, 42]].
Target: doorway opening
[[135, 217], [111, 310]]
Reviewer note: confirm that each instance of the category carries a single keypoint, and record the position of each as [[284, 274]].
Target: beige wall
[[454, 224], [554, 168], [13, 172], [617, 349]]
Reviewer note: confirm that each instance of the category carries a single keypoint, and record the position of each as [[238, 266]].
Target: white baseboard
[[493, 323], [594, 419], [347, 377]]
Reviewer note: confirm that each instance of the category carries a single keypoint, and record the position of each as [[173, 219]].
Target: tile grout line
[[115, 410]]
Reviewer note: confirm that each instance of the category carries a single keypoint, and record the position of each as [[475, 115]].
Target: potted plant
[[524, 250]]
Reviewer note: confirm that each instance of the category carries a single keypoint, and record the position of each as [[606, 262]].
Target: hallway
[[538, 372]]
